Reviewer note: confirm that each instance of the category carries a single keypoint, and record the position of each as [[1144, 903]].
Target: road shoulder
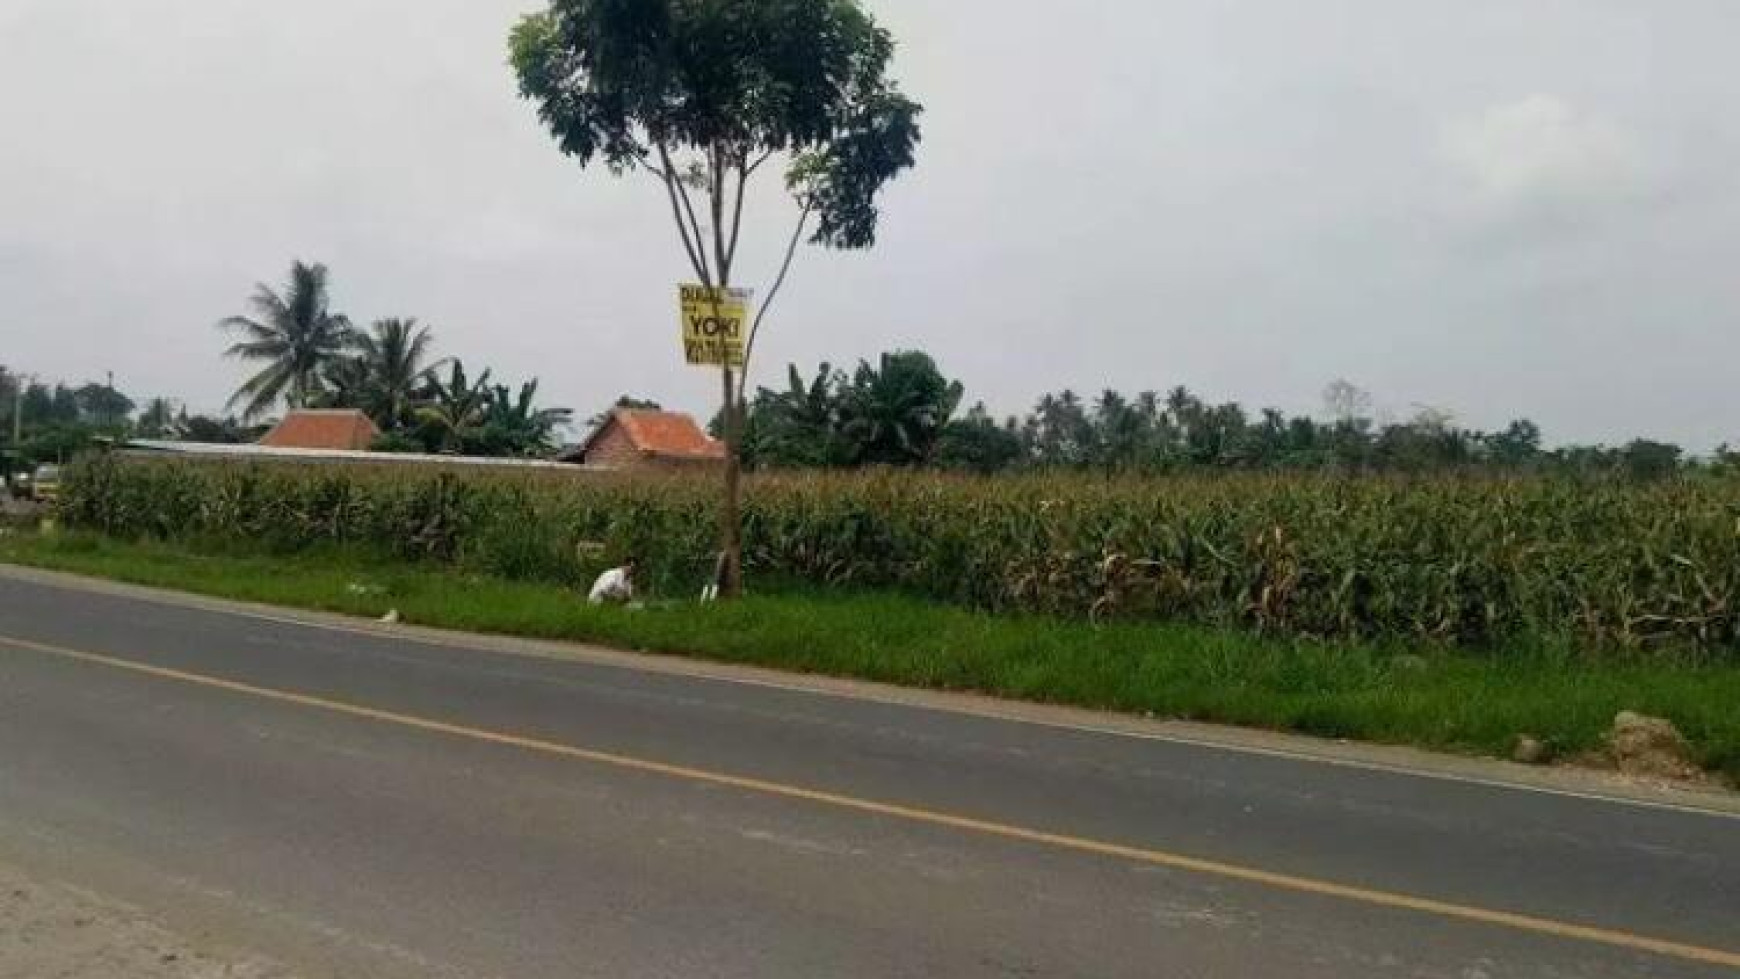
[[49, 928]]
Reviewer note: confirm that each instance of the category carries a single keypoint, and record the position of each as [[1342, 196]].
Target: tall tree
[[701, 95], [1124, 434], [295, 334], [1518, 444], [101, 406], [895, 412], [1346, 403], [158, 420], [978, 444], [1059, 432], [391, 371], [1648, 459]]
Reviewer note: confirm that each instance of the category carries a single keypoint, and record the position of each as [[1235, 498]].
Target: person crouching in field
[[615, 587]]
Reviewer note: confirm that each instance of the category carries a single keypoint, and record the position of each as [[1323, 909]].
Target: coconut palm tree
[[388, 375], [295, 334]]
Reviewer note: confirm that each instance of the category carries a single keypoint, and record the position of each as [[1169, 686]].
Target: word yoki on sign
[[715, 325]]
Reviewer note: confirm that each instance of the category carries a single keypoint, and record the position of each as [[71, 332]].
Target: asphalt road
[[360, 805]]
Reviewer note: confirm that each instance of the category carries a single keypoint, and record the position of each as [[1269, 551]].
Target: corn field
[[1465, 561]]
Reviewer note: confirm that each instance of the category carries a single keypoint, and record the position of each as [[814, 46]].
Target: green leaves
[[876, 139], [625, 81], [295, 334], [461, 415], [896, 411], [386, 375], [892, 413]]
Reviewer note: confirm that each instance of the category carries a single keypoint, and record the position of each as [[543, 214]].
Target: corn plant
[[1458, 560]]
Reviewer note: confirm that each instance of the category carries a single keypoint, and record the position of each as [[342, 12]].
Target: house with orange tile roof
[[633, 438], [337, 429]]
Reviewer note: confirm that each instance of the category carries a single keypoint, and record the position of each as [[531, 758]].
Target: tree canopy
[[315, 357], [635, 83], [809, 423], [391, 370], [295, 334], [902, 410]]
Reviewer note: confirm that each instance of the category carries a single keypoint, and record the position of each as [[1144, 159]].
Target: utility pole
[[19, 383]]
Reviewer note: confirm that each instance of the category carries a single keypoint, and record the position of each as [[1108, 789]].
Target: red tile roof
[[663, 433], [323, 430]]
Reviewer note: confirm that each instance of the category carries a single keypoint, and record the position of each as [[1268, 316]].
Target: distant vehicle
[[45, 484], [21, 486]]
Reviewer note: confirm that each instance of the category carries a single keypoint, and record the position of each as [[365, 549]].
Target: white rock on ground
[[1530, 750]]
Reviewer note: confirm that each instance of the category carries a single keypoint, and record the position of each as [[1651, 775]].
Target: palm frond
[[253, 328], [256, 349], [259, 393], [297, 332]]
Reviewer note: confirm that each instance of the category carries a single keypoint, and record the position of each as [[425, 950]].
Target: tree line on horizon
[[903, 411], [900, 411], [311, 356], [307, 355]]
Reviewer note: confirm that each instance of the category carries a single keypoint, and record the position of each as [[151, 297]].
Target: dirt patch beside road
[[50, 930]]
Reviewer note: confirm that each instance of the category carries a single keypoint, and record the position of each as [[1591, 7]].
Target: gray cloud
[[1501, 208]]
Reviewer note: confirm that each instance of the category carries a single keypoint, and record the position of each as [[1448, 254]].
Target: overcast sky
[[1499, 207]]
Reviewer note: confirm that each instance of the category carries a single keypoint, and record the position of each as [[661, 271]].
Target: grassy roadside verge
[[1428, 698]]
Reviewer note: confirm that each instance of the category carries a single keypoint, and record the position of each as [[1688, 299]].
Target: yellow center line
[[1141, 855]]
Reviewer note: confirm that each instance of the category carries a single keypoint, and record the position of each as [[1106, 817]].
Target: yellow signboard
[[715, 325]]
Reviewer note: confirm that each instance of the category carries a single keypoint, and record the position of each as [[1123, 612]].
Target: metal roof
[[213, 450]]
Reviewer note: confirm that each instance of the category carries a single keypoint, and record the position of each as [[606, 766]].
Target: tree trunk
[[730, 570]]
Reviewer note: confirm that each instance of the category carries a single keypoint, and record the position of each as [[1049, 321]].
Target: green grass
[[1425, 697]]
